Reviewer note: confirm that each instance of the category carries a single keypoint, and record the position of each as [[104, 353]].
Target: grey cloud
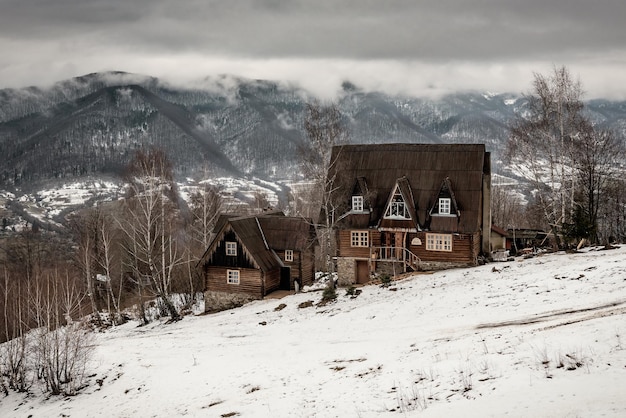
[[71, 34]]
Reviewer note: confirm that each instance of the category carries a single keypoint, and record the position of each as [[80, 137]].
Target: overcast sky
[[415, 46]]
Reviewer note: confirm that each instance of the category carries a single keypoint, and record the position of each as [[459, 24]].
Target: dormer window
[[444, 206], [397, 209], [357, 203], [445, 203]]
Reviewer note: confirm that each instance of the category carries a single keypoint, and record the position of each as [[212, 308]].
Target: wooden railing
[[399, 254]]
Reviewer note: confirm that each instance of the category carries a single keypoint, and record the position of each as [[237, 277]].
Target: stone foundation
[[441, 265], [220, 301], [389, 268], [346, 271], [346, 268]]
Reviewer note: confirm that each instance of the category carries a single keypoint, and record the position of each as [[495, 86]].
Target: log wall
[[463, 249], [249, 281]]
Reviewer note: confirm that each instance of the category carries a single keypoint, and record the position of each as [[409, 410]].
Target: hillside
[[81, 133], [92, 125], [531, 337]]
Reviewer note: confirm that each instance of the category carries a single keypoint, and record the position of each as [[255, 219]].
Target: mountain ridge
[[93, 124]]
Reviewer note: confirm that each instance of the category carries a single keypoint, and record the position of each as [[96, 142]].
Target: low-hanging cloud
[[396, 46]]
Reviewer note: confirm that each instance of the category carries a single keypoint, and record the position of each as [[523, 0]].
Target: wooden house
[[252, 256], [401, 207]]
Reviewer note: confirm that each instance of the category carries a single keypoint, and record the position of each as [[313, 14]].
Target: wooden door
[[362, 272], [399, 244]]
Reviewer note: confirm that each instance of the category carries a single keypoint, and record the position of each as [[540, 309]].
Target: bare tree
[[152, 224], [206, 205], [42, 306], [106, 264], [506, 207], [62, 347], [542, 142], [85, 228], [14, 352], [598, 154], [324, 129], [612, 217]]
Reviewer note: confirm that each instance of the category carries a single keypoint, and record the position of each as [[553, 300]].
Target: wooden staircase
[[396, 254]]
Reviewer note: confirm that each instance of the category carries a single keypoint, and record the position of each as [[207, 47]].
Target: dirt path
[[569, 316]]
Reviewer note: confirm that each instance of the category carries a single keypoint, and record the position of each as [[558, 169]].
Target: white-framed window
[[357, 203], [232, 276], [359, 238], [231, 248], [444, 205], [439, 242], [288, 255], [397, 209]]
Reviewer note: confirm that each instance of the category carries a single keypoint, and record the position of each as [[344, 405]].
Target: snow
[[46, 204], [493, 340]]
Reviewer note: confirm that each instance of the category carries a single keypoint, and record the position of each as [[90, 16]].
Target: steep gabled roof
[[260, 235], [287, 233], [252, 239], [360, 187], [424, 166], [445, 191]]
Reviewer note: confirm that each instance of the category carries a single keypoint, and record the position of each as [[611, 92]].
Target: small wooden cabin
[[401, 207], [252, 256], [498, 238]]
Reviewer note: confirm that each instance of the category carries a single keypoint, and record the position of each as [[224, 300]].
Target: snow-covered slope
[[544, 336]]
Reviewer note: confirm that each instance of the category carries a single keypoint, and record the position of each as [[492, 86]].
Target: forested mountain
[[93, 124]]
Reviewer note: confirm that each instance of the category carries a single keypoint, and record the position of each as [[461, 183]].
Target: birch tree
[[206, 205], [151, 224], [570, 161], [325, 129], [542, 139]]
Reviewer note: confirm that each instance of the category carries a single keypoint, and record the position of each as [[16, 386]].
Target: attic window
[[397, 209], [231, 248], [288, 255], [357, 203], [444, 206]]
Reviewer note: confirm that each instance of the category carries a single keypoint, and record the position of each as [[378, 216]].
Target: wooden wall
[[463, 249], [249, 281], [476, 242], [302, 266], [272, 281], [345, 244], [219, 257], [307, 268]]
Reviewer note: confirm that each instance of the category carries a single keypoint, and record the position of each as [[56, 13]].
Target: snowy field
[[541, 337]]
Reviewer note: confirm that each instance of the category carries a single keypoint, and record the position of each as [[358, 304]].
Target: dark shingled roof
[[424, 166], [264, 233]]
